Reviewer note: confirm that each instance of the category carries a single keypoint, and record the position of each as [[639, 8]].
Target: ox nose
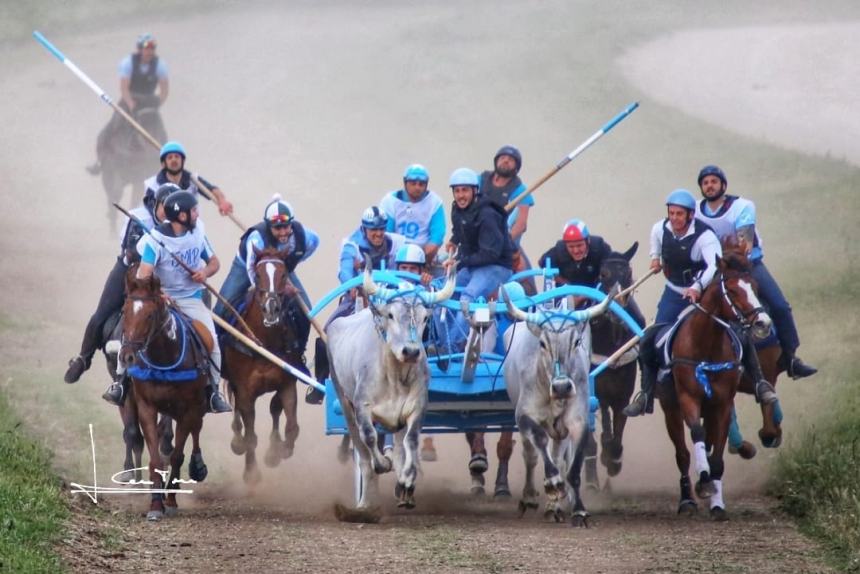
[[410, 353], [562, 387]]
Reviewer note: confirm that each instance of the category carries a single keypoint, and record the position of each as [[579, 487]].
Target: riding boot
[[214, 400], [794, 366], [116, 392], [643, 402], [764, 391], [77, 366]]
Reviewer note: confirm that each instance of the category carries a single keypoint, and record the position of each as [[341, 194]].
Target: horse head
[[615, 269], [402, 314], [144, 311], [271, 278], [733, 292], [565, 342]]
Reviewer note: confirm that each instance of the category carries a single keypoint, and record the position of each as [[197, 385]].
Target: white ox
[[546, 374], [379, 369]]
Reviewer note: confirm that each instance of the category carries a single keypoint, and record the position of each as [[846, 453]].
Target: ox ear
[[628, 255]]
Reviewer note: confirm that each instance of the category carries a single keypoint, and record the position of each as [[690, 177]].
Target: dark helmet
[[179, 202], [374, 218], [152, 199], [511, 151], [145, 40], [713, 170]]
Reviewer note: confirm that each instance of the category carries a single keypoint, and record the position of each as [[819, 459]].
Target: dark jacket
[[585, 272], [482, 235]]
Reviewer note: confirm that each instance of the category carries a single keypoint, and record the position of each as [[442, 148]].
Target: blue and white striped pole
[[569, 157]]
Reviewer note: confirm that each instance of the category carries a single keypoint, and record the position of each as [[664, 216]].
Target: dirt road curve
[[326, 103]]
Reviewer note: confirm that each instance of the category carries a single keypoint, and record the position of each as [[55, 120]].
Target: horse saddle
[[204, 335], [666, 336]]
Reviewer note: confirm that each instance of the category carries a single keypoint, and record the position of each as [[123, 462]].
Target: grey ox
[[546, 374], [379, 369]]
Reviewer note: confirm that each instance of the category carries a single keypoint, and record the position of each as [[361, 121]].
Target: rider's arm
[[253, 241], [745, 226], [312, 241], [656, 241], [125, 82], [163, 81], [520, 223], [706, 249], [348, 258], [148, 257]]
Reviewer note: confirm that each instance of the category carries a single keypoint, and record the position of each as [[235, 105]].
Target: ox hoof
[[613, 467], [357, 515], [237, 445], [719, 514], [171, 511], [405, 496], [705, 488], [688, 508], [769, 441], [579, 519], [554, 514], [526, 505], [154, 515]]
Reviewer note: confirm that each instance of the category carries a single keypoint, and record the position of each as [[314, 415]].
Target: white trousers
[[194, 308]]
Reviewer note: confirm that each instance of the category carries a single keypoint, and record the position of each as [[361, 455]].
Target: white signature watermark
[[136, 486]]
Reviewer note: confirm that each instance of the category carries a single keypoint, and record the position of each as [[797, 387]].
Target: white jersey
[[152, 184], [735, 213], [421, 222], [192, 247]]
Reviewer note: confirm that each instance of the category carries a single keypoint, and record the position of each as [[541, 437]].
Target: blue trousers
[[778, 307], [476, 282], [233, 289], [670, 306]]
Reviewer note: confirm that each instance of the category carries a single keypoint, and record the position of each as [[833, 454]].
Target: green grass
[[32, 507]]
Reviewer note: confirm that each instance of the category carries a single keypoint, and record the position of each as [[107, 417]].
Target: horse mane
[[734, 255], [272, 252]]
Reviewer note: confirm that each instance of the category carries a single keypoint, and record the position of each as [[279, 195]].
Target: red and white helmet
[[575, 230]]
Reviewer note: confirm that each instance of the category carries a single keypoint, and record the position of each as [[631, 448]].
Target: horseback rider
[[503, 184], [151, 213], [172, 157], [278, 229], [578, 256], [484, 246], [183, 235], [734, 215], [686, 250], [416, 212], [140, 74]]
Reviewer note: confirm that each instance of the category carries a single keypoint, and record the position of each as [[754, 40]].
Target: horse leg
[[147, 415], [592, 482], [737, 444], [407, 445], [272, 457], [675, 428], [289, 402], [478, 461], [237, 443], [616, 446], [245, 406], [692, 418], [529, 500], [504, 449], [177, 458], [718, 425], [165, 432]]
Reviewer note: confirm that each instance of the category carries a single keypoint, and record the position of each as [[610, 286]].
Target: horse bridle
[[745, 319], [271, 296], [152, 329]]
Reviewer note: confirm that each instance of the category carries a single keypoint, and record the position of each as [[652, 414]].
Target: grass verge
[[32, 506]]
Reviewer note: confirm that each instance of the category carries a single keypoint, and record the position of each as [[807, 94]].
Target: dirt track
[[325, 105]]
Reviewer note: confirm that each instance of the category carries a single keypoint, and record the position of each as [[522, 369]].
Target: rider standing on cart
[[140, 74]]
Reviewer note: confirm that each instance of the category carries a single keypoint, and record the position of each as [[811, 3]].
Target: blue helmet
[[682, 198], [511, 151], [171, 147], [374, 218], [416, 172], [410, 254], [464, 176]]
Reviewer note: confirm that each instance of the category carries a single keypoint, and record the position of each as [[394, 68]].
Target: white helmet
[[410, 254]]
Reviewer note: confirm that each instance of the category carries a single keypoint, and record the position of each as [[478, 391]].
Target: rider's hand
[[655, 266], [426, 278], [199, 276], [225, 207], [692, 294]]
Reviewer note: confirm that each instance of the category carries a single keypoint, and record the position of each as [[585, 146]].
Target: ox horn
[[515, 313], [370, 286], [442, 295], [596, 310]]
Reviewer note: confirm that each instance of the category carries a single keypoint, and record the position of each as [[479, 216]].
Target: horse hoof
[[171, 511], [197, 469], [154, 515], [357, 515], [613, 467], [127, 476], [719, 514], [502, 492], [272, 458], [747, 450], [705, 489], [478, 464], [237, 445], [688, 508], [526, 505], [286, 452], [579, 519], [769, 441]]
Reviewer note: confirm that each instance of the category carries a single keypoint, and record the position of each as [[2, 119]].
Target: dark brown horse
[[153, 338], [251, 376], [706, 372], [614, 386], [478, 463]]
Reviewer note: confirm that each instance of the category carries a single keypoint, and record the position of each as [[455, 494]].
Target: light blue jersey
[[255, 239], [735, 213], [420, 222], [192, 247], [356, 246]]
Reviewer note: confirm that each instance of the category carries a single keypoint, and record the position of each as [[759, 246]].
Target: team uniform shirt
[[192, 247], [126, 67], [733, 214], [255, 239], [704, 251], [420, 222], [186, 183], [356, 246]]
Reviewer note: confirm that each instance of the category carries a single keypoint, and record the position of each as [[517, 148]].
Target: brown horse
[[706, 372], [250, 375], [156, 341], [478, 463], [614, 386]]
